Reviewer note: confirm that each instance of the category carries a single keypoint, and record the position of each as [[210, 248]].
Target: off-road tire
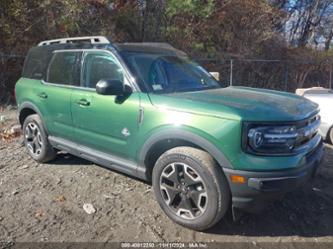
[[210, 173]]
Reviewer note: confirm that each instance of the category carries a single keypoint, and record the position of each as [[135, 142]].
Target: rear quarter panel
[[26, 92], [54, 110]]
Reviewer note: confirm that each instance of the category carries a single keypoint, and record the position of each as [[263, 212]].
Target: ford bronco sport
[[147, 110]]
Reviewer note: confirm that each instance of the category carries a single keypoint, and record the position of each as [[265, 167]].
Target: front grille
[[307, 130]]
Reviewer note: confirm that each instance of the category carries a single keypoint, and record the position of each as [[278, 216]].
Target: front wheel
[[191, 188]]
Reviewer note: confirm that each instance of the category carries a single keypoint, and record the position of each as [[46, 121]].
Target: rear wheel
[[35, 139], [191, 188]]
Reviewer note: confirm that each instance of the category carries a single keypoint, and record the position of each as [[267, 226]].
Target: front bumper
[[260, 188]]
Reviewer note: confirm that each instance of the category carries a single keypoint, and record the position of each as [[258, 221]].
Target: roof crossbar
[[91, 39]]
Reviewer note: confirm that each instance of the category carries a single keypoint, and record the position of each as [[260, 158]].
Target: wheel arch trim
[[187, 136], [29, 105]]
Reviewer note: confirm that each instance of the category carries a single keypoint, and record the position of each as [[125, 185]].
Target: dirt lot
[[43, 202]]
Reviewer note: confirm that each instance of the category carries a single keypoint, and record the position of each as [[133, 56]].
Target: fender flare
[[217, 154], [29, 105]]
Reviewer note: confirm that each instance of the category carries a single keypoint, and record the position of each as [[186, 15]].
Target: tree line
[[296, 33]]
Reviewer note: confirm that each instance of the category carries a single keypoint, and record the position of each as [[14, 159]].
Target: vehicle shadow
[[307, 212], [68, 159]]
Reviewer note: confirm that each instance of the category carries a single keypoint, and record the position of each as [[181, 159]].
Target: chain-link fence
[[283, 75], [10, 71]]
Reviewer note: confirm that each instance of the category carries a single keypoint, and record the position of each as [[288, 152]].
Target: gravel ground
[[44, 202]]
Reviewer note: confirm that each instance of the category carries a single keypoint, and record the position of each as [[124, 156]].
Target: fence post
[[330, 77], [231, 71], [286, 76]]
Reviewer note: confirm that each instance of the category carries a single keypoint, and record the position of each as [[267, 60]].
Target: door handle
[[83, 102], [42, 95]]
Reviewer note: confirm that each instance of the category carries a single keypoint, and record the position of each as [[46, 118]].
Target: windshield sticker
[[157, 87]]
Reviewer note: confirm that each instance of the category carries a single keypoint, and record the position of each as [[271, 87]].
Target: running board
[[107, 160]]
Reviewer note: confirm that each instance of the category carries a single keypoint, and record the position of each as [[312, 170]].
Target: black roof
[[38, 58], [144, 47], [148, 47]]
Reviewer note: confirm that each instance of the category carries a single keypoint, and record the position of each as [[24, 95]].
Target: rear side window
[[35, 65], [64, 68]]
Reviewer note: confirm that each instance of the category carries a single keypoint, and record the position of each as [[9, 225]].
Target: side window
[[64, 68], [100, 65], [35, 65]]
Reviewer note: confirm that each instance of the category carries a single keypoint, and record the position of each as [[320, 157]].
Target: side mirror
[[110, 87]]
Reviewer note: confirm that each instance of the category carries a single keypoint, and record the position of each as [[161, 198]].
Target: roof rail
[[91, 39]]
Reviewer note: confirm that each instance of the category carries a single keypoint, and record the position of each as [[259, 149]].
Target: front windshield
[[164, 73]]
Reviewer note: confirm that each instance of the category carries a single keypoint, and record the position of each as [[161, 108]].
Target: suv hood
[[241, 103]]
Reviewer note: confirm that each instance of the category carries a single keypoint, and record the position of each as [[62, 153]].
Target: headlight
[[279, 139], [269, 139]]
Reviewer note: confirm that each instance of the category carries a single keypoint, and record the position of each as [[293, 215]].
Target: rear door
[[63, 73], [103, 122]]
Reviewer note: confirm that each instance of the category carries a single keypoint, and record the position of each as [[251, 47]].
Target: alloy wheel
[[33, 138], [183, 190]]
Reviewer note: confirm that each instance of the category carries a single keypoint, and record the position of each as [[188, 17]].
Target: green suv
[[147, 110]]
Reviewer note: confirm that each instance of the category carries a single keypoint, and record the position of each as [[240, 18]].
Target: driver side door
[[104, 123]]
